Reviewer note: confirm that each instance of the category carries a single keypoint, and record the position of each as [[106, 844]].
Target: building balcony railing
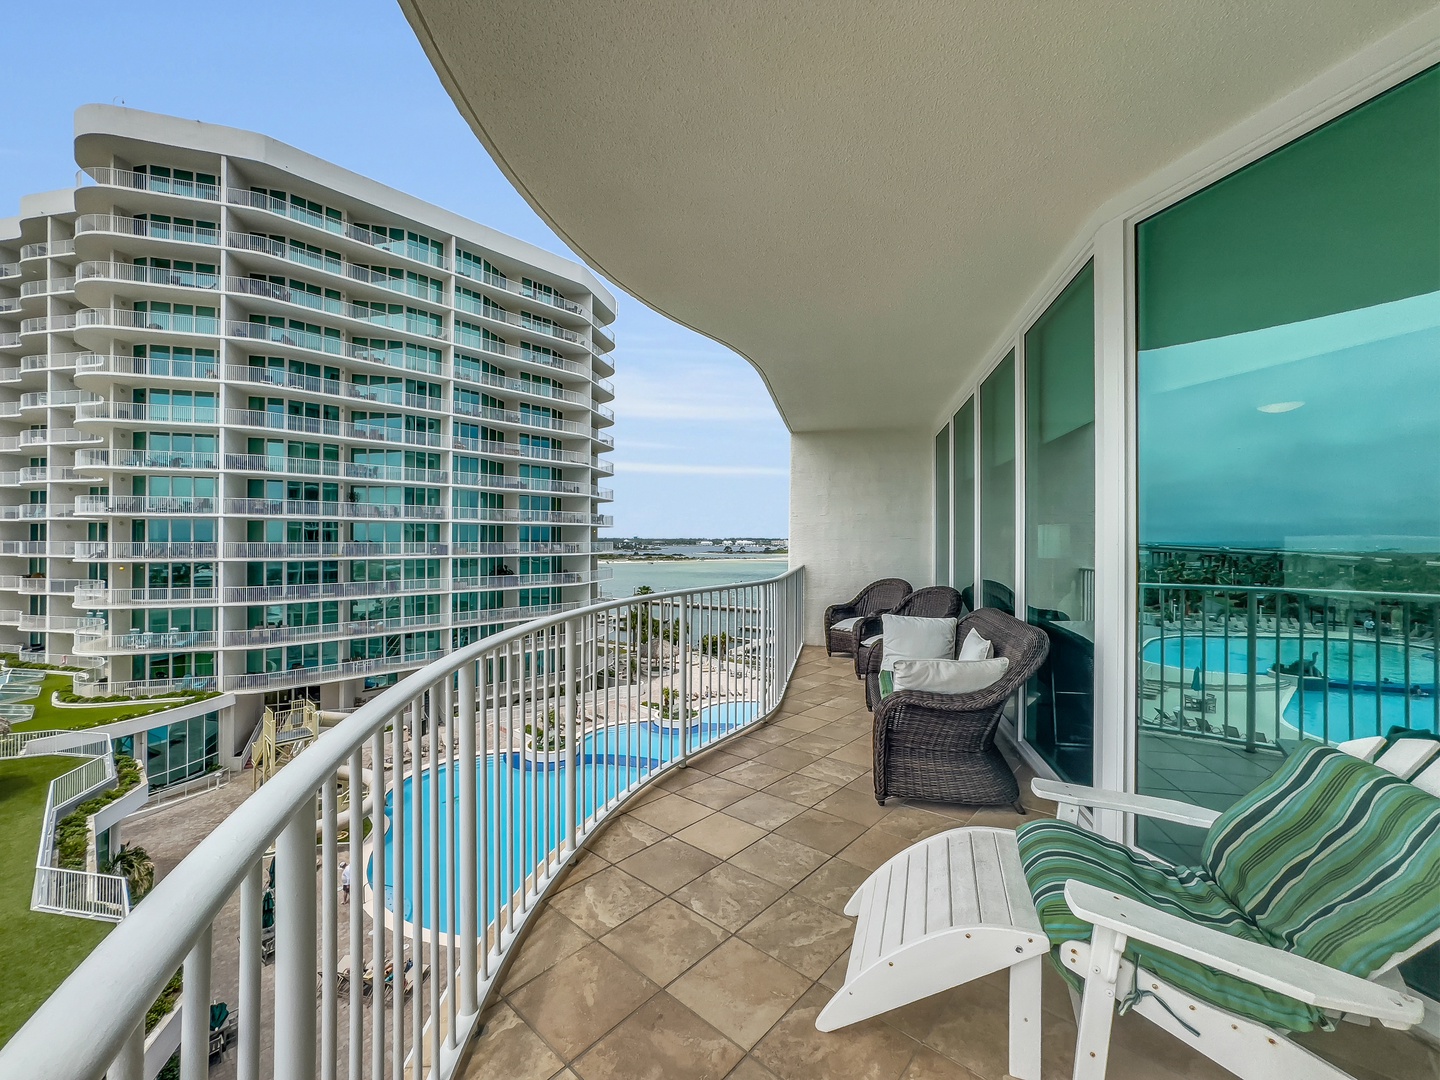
[[1263, 666], [467, 951], [552, 517], [10, 304], [40, 584], [332, 590], [50, 361], [139, 642], [9, 340], [165, 185], [340, 267], [47, 249], [269, 290], [158, 230], [151, 367], [47, 286], [124, 318], [101, 596], [345, 550], [350, 470], [37, 547], [261, 636], [336, 226], [105, 270], [57, 436], [10, 374], [35, 511], [9, 270], [66, 624], [145, 459], [139, 505], [136, 412], [318, 509], [334, 388], [45, 324], [106, 551]]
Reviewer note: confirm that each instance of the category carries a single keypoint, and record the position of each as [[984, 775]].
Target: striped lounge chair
[[1311, 891]]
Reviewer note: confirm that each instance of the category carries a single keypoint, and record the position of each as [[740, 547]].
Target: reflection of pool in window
[[182, 750]]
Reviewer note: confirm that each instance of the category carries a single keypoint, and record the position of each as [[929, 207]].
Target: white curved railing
[[507, 829], [82, 893]]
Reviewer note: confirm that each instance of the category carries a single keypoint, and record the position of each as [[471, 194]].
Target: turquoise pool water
[[1342, 662], [528, 802], [1348, 703]]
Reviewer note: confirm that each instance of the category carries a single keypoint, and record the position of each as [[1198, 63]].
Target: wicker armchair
[[941, 747], [874, 599], [931, 602]]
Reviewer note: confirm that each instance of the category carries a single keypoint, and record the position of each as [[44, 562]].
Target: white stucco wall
[[860, 509]]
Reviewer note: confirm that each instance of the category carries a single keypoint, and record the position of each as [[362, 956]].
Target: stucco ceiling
[[858, 197]]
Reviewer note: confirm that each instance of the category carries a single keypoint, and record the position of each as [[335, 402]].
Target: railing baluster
[[417, 881], [195, 1012], [130, 1063], [473, 775], [295, 948], [398, 893], [247, 1056], [329, 932], [573, 680], [356, 868], [381, 916], [439, 711]]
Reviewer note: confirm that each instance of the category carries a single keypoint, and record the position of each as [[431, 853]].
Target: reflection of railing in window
[[1260, 666], [1087, 593]]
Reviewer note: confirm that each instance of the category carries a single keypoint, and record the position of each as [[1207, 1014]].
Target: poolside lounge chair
[[1315, 887], [874, 599]]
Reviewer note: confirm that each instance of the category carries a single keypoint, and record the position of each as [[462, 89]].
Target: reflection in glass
[[1288, 413], [942, 507], [962, 475], [997, 489], [1060, 526]]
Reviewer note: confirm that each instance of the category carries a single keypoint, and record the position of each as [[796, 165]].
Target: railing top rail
[[157, 934]]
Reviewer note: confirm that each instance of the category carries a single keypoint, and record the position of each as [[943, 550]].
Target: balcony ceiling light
[[1281, 406]]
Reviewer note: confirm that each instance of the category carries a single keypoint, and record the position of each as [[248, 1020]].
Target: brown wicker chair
[[875, 599], [931, 602], [941, 747]]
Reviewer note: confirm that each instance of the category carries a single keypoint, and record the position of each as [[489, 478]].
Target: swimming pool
[[527, 800], [1343, 662]]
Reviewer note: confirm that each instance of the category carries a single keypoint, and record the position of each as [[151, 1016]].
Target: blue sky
[[700, 449]]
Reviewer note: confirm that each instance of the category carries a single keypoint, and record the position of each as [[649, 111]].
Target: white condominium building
[[270, 427]]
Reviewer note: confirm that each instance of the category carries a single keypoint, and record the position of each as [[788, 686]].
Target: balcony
[[47, 249], [145, 642], [141, 505], [162, 231], [163, 185]]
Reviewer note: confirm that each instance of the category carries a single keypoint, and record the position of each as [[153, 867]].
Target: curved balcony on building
[[95, 328], [48, 249], [98, 282], [97, 236], [140, 642], [144, 192]]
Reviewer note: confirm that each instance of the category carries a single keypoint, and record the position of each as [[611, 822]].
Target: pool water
[[528, 801], [1347, 704], [1342, 661]]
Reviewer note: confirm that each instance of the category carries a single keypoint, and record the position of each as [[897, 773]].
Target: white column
[[295, 947], [1114, 523], [195, 1011]]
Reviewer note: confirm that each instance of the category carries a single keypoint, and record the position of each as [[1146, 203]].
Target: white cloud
[[669, 469]]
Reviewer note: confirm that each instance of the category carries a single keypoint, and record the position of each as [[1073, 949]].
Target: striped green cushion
[[1053, 852], [1334, 859], [887, 684]]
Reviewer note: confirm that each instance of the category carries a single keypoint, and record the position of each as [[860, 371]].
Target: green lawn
[[37, 951], [48, 716]]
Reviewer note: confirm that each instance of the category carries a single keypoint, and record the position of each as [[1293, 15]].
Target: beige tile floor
[[702, 931]]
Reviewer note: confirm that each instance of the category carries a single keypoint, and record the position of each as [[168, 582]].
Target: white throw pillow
[[910, 638], [949, 676], [976, 647], [846, 624]]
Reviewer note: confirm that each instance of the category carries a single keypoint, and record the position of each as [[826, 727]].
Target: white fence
[[82, 893], [487, 769]]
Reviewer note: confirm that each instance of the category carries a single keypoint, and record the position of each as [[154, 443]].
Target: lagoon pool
[[528, 801]]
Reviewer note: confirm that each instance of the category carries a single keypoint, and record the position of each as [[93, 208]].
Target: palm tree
[[643, 590], [135, 866]]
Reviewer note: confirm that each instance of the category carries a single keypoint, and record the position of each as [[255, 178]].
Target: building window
[[997, 488]]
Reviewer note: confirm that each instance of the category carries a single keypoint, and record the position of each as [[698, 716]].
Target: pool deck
[[701, 931]]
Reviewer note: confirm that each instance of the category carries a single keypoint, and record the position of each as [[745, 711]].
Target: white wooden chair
[[956, 907]]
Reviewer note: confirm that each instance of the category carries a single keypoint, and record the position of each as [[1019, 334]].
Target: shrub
[[72, 833]]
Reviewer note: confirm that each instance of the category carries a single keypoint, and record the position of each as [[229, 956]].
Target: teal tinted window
[[942, 507], [962, 504], [1288, 410], [997, 488], [1060, 526]]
